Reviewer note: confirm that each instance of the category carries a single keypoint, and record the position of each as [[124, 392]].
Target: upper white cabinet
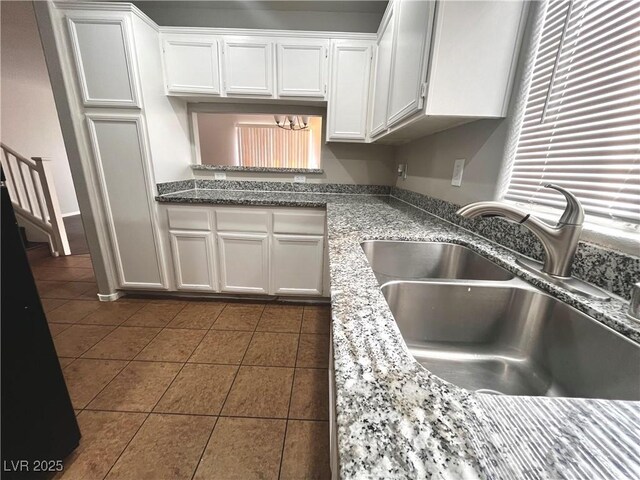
[[349, 90], [248, 66], [412, 35], [476, 45], [302, 67], [384, 50], [191, 64], [103, 55], [439, 66]]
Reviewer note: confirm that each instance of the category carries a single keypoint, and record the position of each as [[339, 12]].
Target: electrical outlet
[[220, 175], [299, 179], [458, 169]]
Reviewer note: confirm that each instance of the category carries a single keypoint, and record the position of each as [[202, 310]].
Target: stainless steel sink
[[393, 260], [511, 339]]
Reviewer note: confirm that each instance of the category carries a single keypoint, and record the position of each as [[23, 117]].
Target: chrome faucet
[[559, 242]]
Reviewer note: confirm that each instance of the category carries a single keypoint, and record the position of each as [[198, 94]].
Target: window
[[271, 146], [248, 141], [581, 124]]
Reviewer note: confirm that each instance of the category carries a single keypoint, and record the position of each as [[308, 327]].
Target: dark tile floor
[[178, 389]]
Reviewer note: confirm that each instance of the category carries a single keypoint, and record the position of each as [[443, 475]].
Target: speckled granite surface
[[610, 270], [269, 186], [235, 168], [397, 420]]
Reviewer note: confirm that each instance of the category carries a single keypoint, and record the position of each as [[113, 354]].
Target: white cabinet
[[191, 64], [192, 240], [244, 262], [349, 90], [290, 254], [413, 27], [382, 74], [238, 249], [193, 260], [103, 55], [122, 163], [437, 68], [248, 66], [302, 68]]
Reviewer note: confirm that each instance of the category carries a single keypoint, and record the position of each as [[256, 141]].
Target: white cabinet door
[[103, 55], [349, 90], [384, 50], [248, 66], [413, 26], [191, 64], [124, 177], [244, 262], [297, 264], [193, 260], [302, 68]]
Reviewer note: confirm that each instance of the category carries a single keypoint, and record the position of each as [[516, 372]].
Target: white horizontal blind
[[581, 126], [273, 147]]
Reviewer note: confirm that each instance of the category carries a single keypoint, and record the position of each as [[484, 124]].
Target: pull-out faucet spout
[[559, 242]]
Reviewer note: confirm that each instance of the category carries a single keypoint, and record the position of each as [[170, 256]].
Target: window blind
[[271, 146], [581, 124]]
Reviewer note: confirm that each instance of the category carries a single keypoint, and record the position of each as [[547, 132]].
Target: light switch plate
[[220, 175], [299, 179], [458, 169]]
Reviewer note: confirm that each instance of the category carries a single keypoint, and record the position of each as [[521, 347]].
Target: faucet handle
[[573, 213]]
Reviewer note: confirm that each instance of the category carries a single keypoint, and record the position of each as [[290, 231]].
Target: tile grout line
[[228, 392], [293, 381]]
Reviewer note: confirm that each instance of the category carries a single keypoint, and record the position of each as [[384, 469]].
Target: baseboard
[[112, 297]]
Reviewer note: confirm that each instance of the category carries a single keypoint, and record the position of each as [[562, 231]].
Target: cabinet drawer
[[305, 223], [185, 218], [242, 220]]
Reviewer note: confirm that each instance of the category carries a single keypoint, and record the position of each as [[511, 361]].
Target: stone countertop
[[271, 199], [397, 420]]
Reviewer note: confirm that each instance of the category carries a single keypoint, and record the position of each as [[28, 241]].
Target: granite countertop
[[397, 420]]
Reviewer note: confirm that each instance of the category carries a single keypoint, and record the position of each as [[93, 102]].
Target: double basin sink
[[474, 324]]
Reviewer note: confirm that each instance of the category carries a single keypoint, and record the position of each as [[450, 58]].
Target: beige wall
[[369, 164], [342, 163], [430, 161], [29, 121]]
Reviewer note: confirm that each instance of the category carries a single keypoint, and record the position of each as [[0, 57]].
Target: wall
[[431, 159], [369, 164], [281, 15], [351, 163], [29, 119]]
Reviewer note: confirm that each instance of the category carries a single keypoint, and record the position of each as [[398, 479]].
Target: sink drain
[[488, 391]]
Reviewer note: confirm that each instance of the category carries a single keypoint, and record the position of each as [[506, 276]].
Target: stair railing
[[34, 198]]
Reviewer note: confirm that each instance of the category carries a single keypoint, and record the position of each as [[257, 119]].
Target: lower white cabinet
[[194, 260], [244, 266], [258, 251], [296, 264]]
